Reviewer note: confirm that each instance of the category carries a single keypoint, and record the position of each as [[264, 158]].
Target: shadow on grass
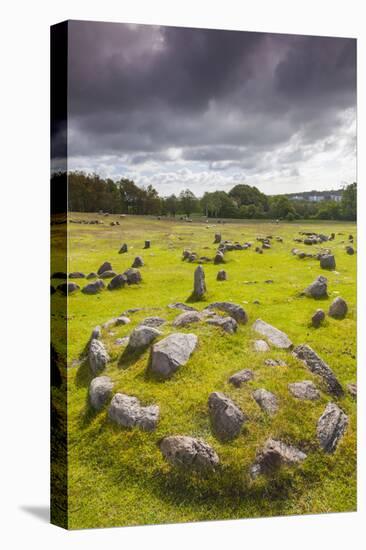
[[193, 298], [129, 357]]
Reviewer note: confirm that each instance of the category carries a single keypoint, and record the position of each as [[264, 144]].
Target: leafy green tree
[[172, 205], [188, 202], [349, 202]]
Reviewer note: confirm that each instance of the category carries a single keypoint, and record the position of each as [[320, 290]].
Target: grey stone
[[122, 320], [318, 318], [138, 262], [180, 305], [228, 324], [331, 426], [219, 258], [305, 390], [234, 310], [217, 239], [338, 308], [317, 366], [76, 275], [127, 411], [92, 275], [226, 418], [123, 249], [350, 250], [142, 336], [186, 318], [327, 261], [241, 377], [122, 341], [108, 274], [68, 288], [275, 363], [274, 455], [199, 288], [189, 453], [147, 244], [221, 275], [119, 281], [153, 322], [100, 390], [94, 288], [96, 333], [317, 289], [266, 400], [98, 356], [168, 355], [106, 266], [275, 336], [133, 276], [352, 390], [260, 346]]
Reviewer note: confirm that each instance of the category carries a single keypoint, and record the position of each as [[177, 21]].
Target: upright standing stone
[[147, 244], [316, 365], [199, 283], [217, 238], [331, 426], [123, 249]]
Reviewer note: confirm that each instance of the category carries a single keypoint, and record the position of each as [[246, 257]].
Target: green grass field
[[118, 476]]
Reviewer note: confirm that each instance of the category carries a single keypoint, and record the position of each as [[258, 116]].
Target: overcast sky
[[207, 109]]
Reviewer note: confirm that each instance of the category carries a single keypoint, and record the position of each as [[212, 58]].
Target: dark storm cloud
[[227, 99]]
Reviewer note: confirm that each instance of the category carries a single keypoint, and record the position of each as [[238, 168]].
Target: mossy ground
[[117, 476]]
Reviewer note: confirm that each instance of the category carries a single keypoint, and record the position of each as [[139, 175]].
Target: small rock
[[153, 322], [352, 390], [122, 341], [168, 355], [96, 333], [234, 310], [93, 288], [327, 261], [350, 250], [68, 288], [266, 400], [274, 455], [217, 238], [138, 262], [331, 427], [317, 366], [275, 363], [338, 308], [276, 337], [100, 390], [122, 320], [92, 275], [228, 324], [142, 336], [98, 356], [180, 305], [189, 453], [186, 318], [241, 377], [221, 275], [108, 274], [317, 289], [226, 418], [106, 266], [127, 411], [260, 345], [76, 275], [119, 281], [304, 390], [318, 318]]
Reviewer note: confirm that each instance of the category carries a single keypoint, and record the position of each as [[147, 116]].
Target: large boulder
[[241, 377], [119, 281], [226, 418], [98, 356], [318, 288], [138, 262], [106, 266], [275, 336], [274, 455], [338, 308], [234, 310], [305, 390], [94, 288], [168, 355], [189, 453], [133, 276], [127, 411], [266, 400], [199, 288], [100, 390], [186, 318], [142, 336], [327, 261], [316, 365], [331, 426], [228, 324]]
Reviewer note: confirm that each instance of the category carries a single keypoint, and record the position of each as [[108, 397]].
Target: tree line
[[91, 193]]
